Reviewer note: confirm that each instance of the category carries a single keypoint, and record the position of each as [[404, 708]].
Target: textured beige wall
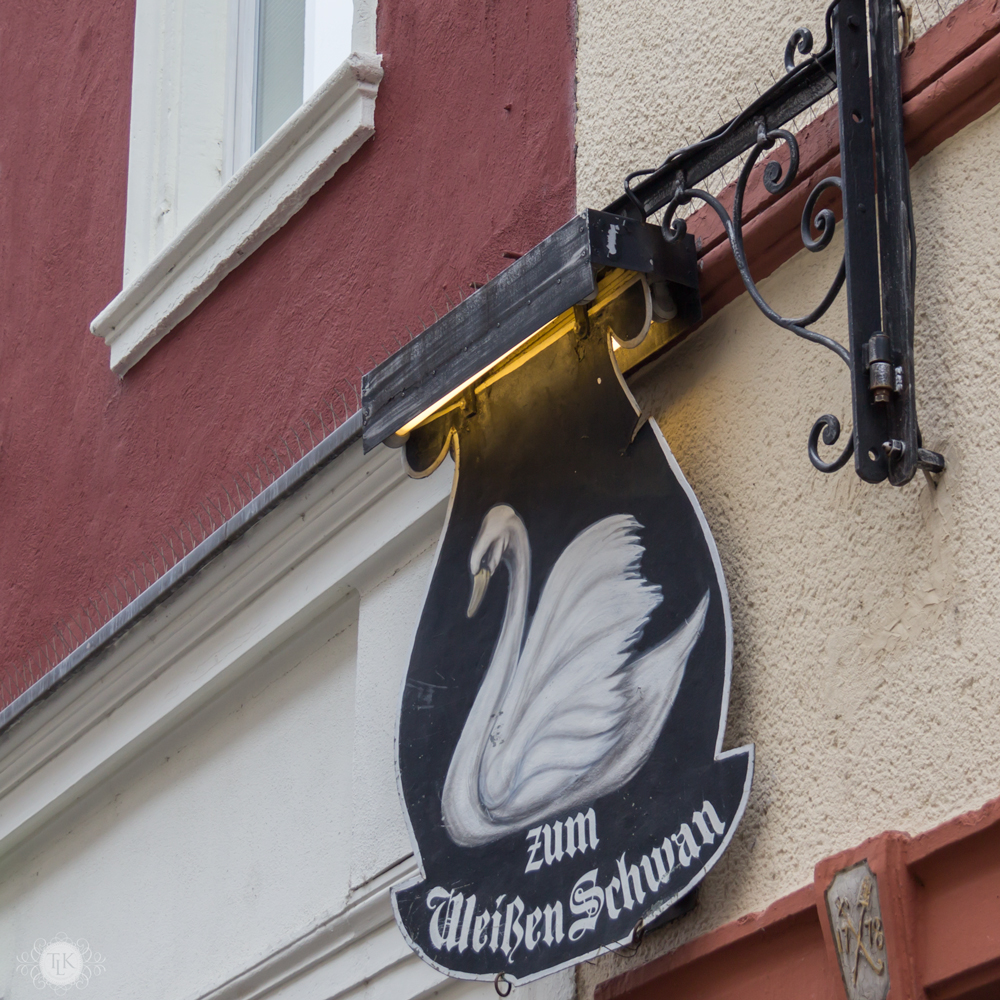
[[865, 617]]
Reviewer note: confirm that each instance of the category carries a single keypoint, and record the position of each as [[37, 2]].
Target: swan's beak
[[479, 584]]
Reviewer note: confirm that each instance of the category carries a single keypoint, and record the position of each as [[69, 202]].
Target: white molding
[[359, 948], [260, 198], [318, 962], [348, 525], [343, 535], [237, 140]]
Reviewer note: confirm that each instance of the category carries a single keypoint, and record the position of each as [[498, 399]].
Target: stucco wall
[[865, 618], [472, 157]]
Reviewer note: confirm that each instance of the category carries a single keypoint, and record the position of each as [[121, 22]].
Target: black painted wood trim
[[546, 281]]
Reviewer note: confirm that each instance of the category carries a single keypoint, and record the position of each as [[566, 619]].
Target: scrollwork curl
[[801, 39], [776, 180], [829, 425], [825, 220], [673, 228], [826, 223]]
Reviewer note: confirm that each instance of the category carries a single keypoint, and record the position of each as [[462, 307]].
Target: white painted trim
[[350, 525], [359, 947], [240, 53], [324, 962], [318, 962], [326, 40], [282, 584], [260, 198]]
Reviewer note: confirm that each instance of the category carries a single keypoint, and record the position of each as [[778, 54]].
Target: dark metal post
[[896, 242], [861, 253]]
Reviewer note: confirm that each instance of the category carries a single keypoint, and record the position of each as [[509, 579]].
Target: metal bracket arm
[[860, 58]]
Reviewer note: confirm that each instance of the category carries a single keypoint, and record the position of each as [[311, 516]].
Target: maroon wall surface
[[472, 158]]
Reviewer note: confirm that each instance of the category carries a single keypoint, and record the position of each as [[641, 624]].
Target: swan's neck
[[508, 648], [483, 717]]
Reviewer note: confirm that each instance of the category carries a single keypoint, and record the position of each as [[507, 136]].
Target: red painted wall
[[473, 156], [939, 896]]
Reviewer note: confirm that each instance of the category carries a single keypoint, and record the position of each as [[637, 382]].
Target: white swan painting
[[562, 718], [568, 712]]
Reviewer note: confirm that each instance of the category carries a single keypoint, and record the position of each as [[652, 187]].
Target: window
[[283, 51], [241, 111]]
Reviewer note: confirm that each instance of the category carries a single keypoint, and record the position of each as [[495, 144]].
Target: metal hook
[[502, 979], [638, 933]]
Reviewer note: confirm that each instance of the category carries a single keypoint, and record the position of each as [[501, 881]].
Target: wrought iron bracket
[[860, 58]]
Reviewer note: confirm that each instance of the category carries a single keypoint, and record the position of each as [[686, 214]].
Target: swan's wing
[[564, 709], [552, 779], [654, 680]]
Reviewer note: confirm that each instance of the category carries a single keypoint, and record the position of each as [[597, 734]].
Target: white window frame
[[187, 225], [241, 76]]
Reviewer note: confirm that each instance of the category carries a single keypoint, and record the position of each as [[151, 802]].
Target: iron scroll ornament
[[878, 266], [777, 182], [563, 787]]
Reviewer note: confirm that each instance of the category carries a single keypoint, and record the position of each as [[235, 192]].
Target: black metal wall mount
[[556, 275], [860, 58]]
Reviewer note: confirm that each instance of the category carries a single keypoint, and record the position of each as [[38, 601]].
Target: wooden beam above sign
[[552, 277]]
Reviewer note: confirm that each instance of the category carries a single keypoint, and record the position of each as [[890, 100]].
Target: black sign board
[[559, 744]]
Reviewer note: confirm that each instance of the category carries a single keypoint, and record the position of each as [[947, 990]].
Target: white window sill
[[257, 201]]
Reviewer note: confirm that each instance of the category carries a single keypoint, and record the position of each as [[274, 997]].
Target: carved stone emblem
[[856, 920]]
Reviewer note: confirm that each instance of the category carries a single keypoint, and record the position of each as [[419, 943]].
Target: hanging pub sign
[[559, 742]]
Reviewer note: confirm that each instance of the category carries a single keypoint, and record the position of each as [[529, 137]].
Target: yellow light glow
[[610, 287]]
